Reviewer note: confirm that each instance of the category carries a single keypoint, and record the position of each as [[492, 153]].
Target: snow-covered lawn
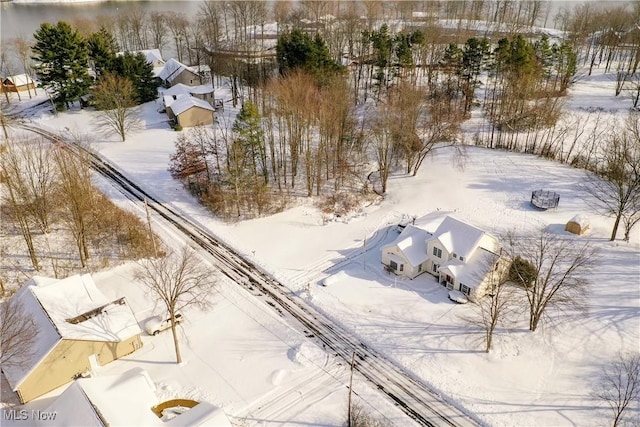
[[241, 356]]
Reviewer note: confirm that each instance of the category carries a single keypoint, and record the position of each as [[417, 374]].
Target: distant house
[[18, 83], [79, 329], [188, 111], [153, 56], [127, 399], [460, 255], [175, 72]]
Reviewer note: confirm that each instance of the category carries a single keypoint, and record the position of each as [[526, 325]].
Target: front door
[[393, 265]]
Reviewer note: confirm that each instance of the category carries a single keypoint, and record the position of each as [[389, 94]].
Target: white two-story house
[[462, 257]]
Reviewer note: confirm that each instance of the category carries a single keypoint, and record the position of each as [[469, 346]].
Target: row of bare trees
[[47, 188]]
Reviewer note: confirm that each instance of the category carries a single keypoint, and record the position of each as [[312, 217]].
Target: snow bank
[[338, 277], [307, 354]]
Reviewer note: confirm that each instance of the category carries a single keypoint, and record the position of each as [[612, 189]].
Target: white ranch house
[[462, 257]]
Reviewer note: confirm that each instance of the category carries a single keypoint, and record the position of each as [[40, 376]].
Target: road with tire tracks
[[420, 402]]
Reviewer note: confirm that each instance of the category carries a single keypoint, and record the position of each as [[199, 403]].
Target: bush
[[522, 272], [177, 127]]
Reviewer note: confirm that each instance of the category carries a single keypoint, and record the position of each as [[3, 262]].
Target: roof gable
[[172, 69], [458, 237], [412, 242], [19, 80], [183, 89], [472, 272], [185, 103]]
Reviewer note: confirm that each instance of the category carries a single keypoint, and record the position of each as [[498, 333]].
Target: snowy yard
[[242, 357]]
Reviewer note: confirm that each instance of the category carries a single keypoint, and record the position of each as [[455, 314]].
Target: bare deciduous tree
[[22, 49], [616, 187], [495, 308], [561, 265], [115, 97], [619, 387], [16, 200], [18, 334], [75, 182], [178, 281]]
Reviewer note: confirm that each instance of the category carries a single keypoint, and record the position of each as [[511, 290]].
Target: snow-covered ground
[[242, 357]]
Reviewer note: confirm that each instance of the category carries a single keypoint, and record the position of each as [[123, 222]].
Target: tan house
[[175, 72], [79, 329], [18, 83], [462, 257], [127, 399], [188, 111]]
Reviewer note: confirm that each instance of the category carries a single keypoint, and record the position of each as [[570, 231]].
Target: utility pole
[[353, 357], [146, 208], [364, 255]]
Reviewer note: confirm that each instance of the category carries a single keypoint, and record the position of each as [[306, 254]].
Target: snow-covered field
[[241, 356]]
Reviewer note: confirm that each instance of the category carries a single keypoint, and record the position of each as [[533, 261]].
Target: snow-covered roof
[[181, 88], [74, 309], [76, 295], [172, 69], [126, 399], [459, 237], [72, 408], [472, 272], [184, 103], [153, 56], [19, 79], [412, 242]]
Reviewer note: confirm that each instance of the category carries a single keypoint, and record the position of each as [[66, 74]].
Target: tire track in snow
[[414, 397]]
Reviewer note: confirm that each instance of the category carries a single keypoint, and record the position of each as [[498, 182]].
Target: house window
[[454, 255], [464, 289], [435, 268], [419, 268], [401, 267], [437, 252], [393, 265], [461, 258]]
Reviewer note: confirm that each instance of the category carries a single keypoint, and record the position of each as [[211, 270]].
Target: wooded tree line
[[408, 88], [47, 188], [63, 59]]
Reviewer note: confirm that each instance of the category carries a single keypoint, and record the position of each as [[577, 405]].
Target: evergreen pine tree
[[102, 51], [61, 57], [136, 68]]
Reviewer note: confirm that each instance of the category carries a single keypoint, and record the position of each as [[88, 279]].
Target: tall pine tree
[[102, 51], [136, 68], [61, 57]]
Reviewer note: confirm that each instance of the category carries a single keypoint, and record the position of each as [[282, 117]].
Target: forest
[[335, 97]]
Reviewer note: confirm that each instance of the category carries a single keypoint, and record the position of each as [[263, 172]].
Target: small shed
[[579, 225], [18, 83]]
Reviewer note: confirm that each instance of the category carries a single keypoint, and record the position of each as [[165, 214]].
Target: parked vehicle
[[156, 324], [459, 297]]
